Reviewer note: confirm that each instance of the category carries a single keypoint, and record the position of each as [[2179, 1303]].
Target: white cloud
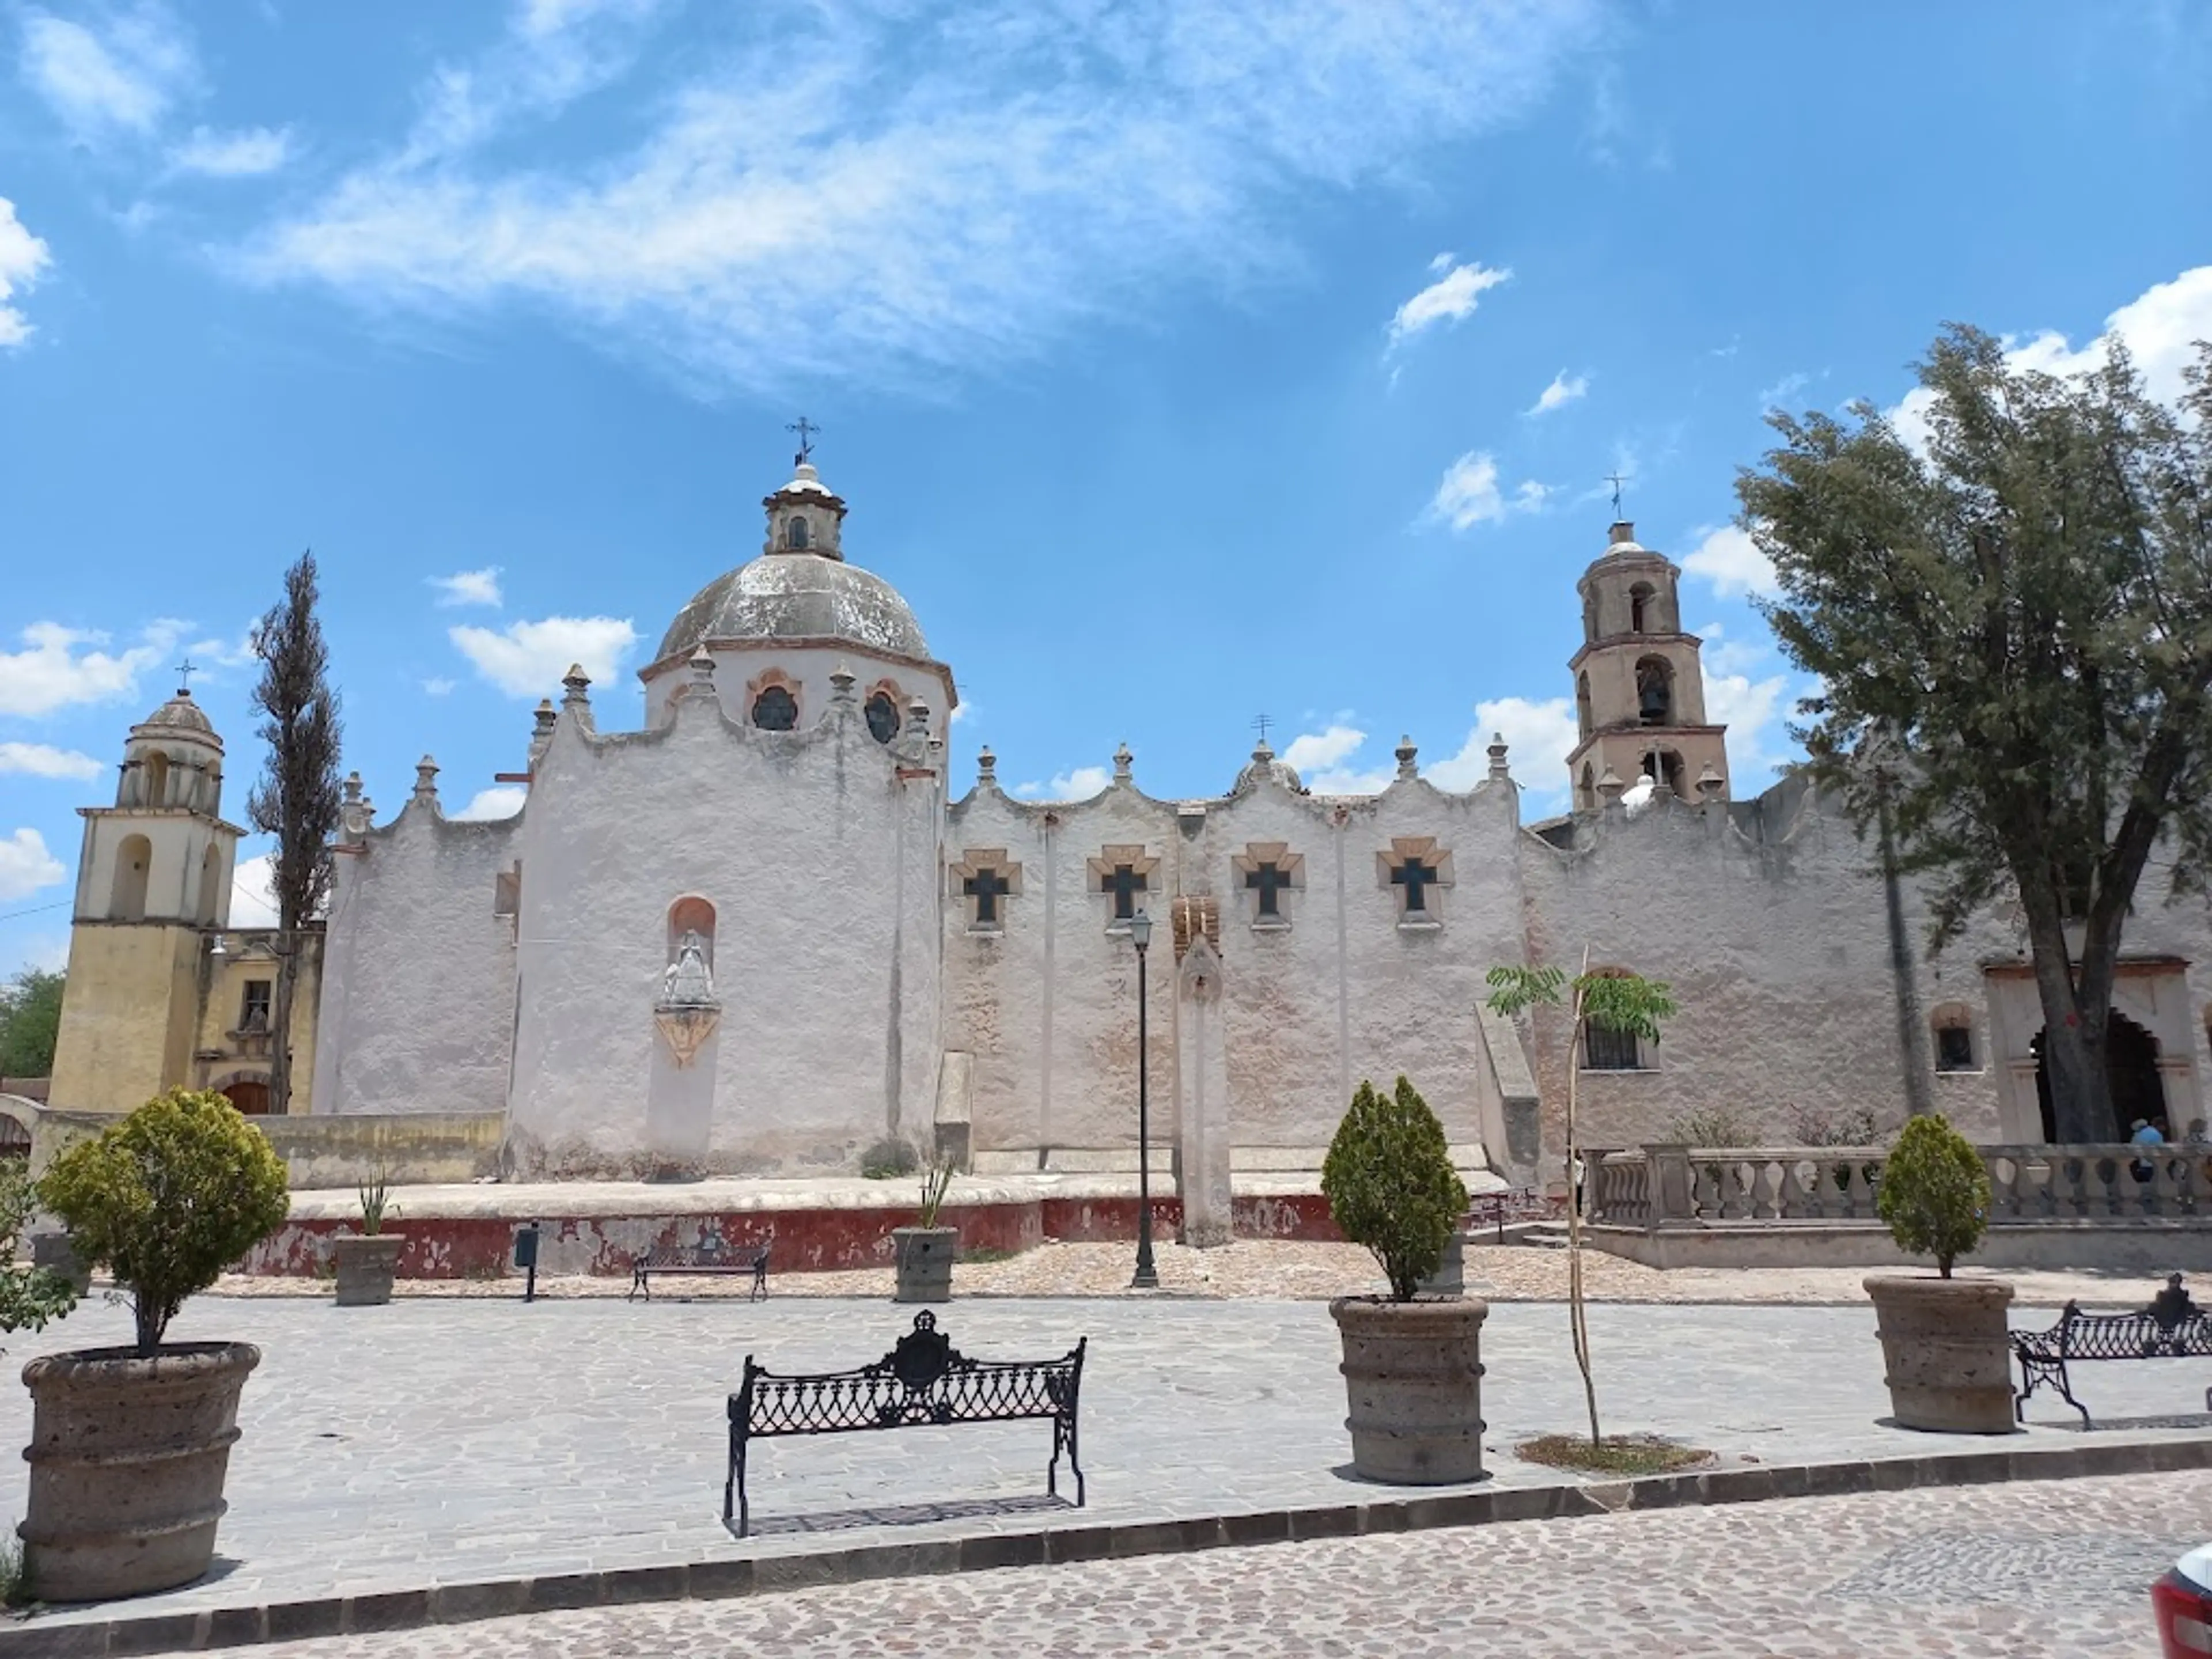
[[1750, 709], [502, 801], [54, 674], [437, 686], [1323, 749], [1081, 784], [1783, 389], [1561, 391], [965, 711], [26, 866], [468, 586], [1538, 736], [1728, 559], [42, 760], [1450, 299], [246, 153], [253, 900], [122, 78], [1468, 494], [527, 659], [918, 192], [2161, 328], [22, 258]]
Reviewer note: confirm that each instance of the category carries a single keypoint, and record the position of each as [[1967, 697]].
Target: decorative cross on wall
[[1267, 881], [1124, 881], [1415, 878], [986, 887]]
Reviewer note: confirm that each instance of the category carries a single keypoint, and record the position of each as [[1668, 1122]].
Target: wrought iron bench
[[2173, 1328], [711, 1258], [1507, 1204], [921, 1382]]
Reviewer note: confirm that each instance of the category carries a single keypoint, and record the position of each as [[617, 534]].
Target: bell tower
[[1639, 688], [153, 881]]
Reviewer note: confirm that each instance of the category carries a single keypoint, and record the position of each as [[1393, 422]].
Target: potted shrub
[[1412, 1368], [129, 1446], [926, 1250], [367, 1260], [1945, 1341]]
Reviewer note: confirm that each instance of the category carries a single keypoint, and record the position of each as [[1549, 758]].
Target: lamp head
[[1140, 930]]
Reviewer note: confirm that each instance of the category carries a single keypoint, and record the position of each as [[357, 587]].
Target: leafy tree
[[296, 798], [167, 1199], [1934, 1192], [29, 1297], [1390, 1184], [2012, 625], [1608, 1000], [30, 1021]]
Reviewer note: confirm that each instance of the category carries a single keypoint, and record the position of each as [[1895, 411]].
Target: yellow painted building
[[162, 990]]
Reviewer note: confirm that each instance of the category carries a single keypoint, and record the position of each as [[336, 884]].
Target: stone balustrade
[[1651, 1186]]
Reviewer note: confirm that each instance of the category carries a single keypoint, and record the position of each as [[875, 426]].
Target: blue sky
[[1181, 360]]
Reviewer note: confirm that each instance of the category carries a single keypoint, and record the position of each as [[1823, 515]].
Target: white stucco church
[[871, 958]]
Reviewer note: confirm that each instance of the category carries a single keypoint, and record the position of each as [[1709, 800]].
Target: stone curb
[[452, 1604]]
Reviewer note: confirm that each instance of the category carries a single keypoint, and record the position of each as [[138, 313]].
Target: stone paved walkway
[[2059, 1570], [1278, 1269], [440, 1442]]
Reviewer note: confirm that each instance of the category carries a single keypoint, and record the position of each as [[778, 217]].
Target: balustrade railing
[[1651, 1185]]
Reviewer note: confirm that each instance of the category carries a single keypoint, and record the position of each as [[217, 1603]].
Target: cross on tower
[[1415, 878], [1124, 883], [806, 430], [1267, 880], [986, 887], [1261, 725], [185, 671], [1616, 480]]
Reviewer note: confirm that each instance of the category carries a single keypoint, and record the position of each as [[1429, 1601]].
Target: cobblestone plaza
[[459, 1441]]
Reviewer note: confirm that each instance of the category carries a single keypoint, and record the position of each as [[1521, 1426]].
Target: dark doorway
[[250, 1095], [2132, 1066]]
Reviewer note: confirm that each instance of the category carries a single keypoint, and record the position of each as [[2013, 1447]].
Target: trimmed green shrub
[[167, 1199], [29, 1297], [1390, 1184], [1934, 1192]]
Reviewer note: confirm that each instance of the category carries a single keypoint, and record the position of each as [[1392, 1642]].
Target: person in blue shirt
[[2146, 1133]]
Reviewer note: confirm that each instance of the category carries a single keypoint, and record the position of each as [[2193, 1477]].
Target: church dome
[[180, 712], [1265, 768], [784, 596]]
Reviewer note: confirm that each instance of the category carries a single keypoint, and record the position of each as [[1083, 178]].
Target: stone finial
[[841, 682], [702, 670], [917, 715], [355, 813], [541, 731], [1611, 787], [1262, 754], [1407, 754], [426, 781], [1497, 772], [987, 766], [576, 686], [1711, 784], [1123, 761]]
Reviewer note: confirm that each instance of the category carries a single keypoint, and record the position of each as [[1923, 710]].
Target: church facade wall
[[807, 669], [819, 861], [418, 968]]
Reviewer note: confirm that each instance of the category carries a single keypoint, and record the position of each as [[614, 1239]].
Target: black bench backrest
[[924, 1379]]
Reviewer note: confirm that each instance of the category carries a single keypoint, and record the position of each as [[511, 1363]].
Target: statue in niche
[[688, 983]]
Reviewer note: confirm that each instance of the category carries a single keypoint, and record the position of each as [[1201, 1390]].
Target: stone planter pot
[[1945, 1345], [1413, 1379], [127, 1461], [366, 1265], [1450, 1276], [54, 1253], [925, 1262]]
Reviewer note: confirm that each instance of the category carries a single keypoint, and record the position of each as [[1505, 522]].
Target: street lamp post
[[1148, 1274]]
